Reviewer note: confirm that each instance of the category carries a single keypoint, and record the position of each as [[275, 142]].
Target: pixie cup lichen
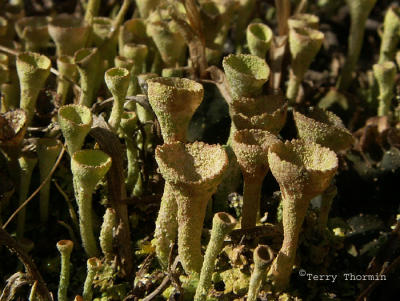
[[174, 100], [223, 224], [391, 35], [193, 172], [33, 70], [106, 233], [65, 248], [93, 266], [303, 20], [259, 37], [48, 150], [68, 33], [68, 71], [262, 257], [12, 132], [75, 123], [34, 32], [303, 170], [385, 75], [88, 169], [304, 44], [117, 80], [246, 74], [251, 150]]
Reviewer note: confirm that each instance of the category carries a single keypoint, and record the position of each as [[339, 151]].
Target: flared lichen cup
[[132, 31], [266, 112], [87, 61], [34, 32], [75, 123], [325, 128], [303, 170], [251, 150], [33, 70], [174, 101], [259, 37], [303, 20], [88, 168], [193, 172], [68, 33], [137, 53], [12, 132], [246, 74]]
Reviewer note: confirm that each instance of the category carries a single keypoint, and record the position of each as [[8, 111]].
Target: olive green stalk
[[27, 163], [75, 122], [359, 12], [33, 70], [65, 248], [92, 10], [117, 80], [251, 150], [174, 101], [390, 36], [303, 170], [106, 233], [193, 172], [88, 168], [33, 295], [385, 75], [304, 44], [128, 127], [93, 266], [9, 97], [262, 257], [146, 7], [87, 61], [68, 33], [33, 31], [223, 224], [398, 59], [67, 70], [246, 74], [138, 54], [259, 37], [326, 203], [48, 150]]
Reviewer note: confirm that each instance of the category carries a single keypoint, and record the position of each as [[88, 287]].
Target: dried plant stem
[[283, 13]]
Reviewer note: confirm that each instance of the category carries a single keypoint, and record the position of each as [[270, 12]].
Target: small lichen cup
[[75, 122], [34, 32], [174, 101], [65, 248], [68, 33], [303, 20], [117, 81], [33, 70], [303, 170], [88, 168], [251, 150], [93, 266], [246, 74], [193, 172], [259, 37]]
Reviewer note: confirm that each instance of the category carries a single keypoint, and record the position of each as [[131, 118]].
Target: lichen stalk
[[251, 200], [93, 266], [27, 163], [223, 224], [106, 233], [65, 248], [262, 257], [359, 12], [390, 36], [385, 75], [48, 150], [67, 70], [166, 225]]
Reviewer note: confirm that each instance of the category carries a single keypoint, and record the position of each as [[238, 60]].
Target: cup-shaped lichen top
[[174, 100], [251, 150], [266, 112], [33, 70], [302, 168], [246, 74], [303, 20], [132, 31], [304, 44], [13, 126], [102, 27], [259, 37], [68, 33], [33, 30], [197, 164], [89, 167], [323, 127], [75, 123]]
